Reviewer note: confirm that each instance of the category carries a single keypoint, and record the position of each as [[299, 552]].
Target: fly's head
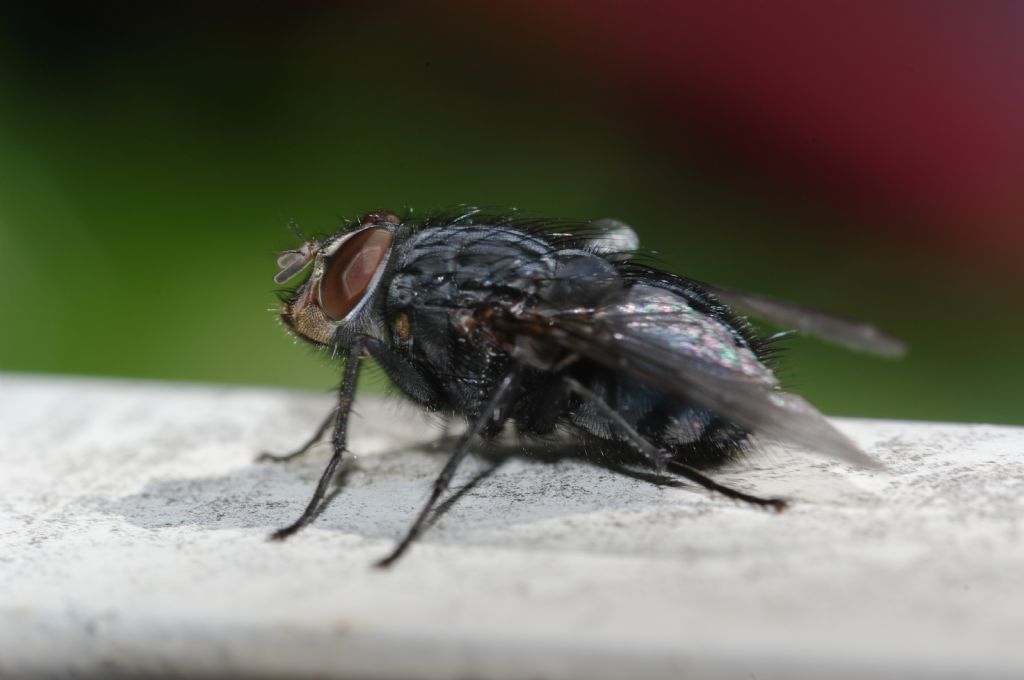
[[347, 268]]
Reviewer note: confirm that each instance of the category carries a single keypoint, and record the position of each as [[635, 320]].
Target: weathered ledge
[[133, 525]]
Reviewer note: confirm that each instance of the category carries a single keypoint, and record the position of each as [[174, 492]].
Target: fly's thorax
[[442, 273], [439, 263], [347, 270]]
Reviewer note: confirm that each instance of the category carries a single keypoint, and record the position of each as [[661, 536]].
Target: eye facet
[[351, 269]]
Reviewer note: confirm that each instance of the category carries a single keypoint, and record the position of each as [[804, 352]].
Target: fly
[[553, 326]]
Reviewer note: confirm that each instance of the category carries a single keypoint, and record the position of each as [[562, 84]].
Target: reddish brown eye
[[375, 217], [350, 271]]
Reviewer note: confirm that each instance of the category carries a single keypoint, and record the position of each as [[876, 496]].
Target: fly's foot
[[267, 457], [282, 534], [774, 504]]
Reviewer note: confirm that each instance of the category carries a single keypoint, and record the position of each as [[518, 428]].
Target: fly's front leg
[[346, 393], [267, 457], [651, 454]]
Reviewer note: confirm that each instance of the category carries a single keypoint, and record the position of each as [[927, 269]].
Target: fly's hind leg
[[658, 461], [698, 477]]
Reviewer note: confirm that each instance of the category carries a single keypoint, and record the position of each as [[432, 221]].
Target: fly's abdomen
[[683, 432]]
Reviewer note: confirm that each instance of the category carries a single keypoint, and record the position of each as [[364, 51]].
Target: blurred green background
[[150, 165]]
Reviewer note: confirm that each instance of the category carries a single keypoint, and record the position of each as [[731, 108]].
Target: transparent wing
[[834, 328], [654, 336], [616, 240]]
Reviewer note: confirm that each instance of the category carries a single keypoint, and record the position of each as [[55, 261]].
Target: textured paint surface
[[133, 528]]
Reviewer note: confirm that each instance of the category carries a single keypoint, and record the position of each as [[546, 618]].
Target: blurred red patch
[[908, 109]]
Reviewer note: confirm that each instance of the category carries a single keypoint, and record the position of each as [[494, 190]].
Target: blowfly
[[550, 327]]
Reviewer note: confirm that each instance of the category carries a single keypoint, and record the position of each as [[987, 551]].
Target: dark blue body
[[440, 272]]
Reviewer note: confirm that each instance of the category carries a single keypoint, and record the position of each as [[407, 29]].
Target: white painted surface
[[133, 528]]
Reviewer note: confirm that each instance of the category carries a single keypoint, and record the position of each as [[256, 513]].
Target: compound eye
[[376, 217], [351, 269]]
